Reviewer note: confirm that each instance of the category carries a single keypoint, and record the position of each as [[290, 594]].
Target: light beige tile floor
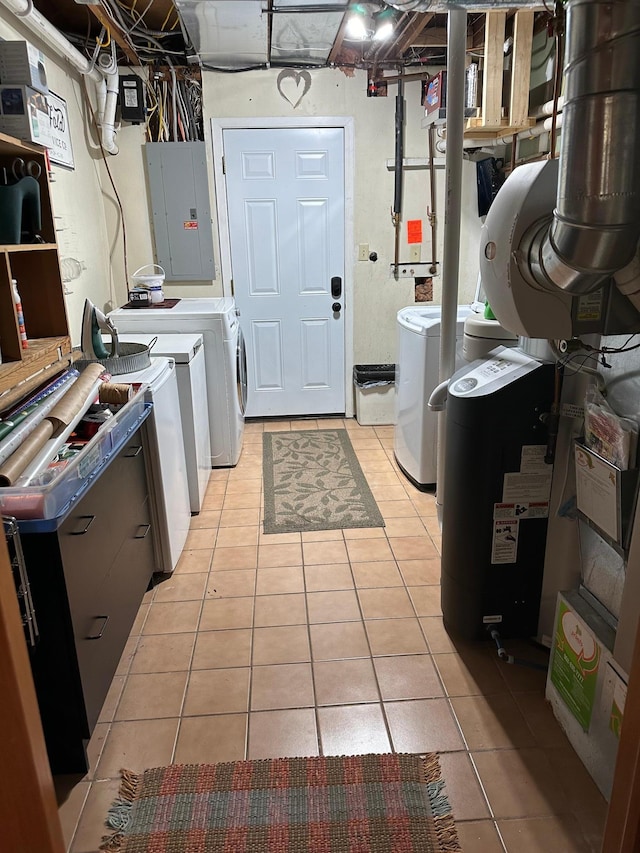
[[329, 643]]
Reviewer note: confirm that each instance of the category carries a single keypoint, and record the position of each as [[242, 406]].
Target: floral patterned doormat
[[313, 481], [340, 804]]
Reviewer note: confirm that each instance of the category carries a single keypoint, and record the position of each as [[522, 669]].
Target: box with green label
[[575, 662], [585, 685]]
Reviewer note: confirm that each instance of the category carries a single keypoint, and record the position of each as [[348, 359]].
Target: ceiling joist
[[117, 34]]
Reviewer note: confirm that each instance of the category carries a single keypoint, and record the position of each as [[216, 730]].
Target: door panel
[[316, 354], [262, 247], [285, 196], [266, 337]]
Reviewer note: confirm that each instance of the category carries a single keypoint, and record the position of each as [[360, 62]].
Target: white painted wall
[[377, 295], [76, 194]]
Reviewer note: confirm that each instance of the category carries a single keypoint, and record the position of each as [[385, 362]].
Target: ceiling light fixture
[[360, 23], [384, 24]]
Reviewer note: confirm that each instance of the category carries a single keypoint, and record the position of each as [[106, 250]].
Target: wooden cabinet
[[36, 268], [88, 578]]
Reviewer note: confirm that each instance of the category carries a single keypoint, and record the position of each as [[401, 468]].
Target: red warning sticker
[[191, 225]]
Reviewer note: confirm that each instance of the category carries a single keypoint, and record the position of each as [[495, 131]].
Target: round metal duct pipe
[[596, 224]]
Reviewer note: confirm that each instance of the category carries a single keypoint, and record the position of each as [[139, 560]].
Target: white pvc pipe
[[107, 125], [456, 53], [101, 100], [54, 39], [547, 108]]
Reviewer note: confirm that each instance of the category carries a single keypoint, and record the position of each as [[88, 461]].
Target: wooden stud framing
[[521, 68], [493, 64], [117, 34]]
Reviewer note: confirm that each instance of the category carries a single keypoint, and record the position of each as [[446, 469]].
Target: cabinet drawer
[[103, 627], [95, 531]]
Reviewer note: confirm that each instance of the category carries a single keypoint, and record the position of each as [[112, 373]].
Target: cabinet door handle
[[86, 527], [97, 636], [134, 453], [139, 535]]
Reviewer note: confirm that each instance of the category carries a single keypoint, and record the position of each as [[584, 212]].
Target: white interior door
[[286, 210]]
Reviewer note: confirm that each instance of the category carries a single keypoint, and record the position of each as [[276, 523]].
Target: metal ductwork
[[464, 5], [596, 224]]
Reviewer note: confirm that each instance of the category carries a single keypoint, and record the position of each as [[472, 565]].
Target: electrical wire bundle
[[175, 105], [173, 88]]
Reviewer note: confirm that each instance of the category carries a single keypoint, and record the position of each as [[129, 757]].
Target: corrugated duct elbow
[[464, 5]]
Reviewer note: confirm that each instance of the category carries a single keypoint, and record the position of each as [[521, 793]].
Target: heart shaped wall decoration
[[295, 83]]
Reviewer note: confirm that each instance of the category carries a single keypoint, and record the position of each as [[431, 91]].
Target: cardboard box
[[24, 113], [23, 64]]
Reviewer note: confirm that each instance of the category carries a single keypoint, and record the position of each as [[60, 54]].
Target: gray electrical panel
[[179, 189]]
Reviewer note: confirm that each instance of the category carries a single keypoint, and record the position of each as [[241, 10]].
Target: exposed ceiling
[[232, 35]]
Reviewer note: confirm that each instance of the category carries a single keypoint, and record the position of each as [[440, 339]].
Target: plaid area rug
[[356, 804], [313, 481]]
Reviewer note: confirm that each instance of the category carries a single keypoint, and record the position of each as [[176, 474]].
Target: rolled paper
[[76, 398], [18, 461], [115, 393]]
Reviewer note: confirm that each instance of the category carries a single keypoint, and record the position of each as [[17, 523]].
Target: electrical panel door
[[179, 192]]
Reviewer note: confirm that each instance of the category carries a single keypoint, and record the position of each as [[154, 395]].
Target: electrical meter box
[[179, 192]]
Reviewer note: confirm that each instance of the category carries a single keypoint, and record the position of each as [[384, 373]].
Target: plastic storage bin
[[46, 504], [375, 392]]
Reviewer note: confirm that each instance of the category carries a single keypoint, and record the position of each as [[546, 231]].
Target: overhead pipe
[[53, 38], [596, 224], [396, 213], [456, 63]]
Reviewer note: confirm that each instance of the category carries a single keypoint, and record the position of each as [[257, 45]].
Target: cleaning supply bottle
[[20, 314]]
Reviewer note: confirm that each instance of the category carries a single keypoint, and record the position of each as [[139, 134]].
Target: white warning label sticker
[[504, 547], [527, 488], [532, 459], [538, 509]]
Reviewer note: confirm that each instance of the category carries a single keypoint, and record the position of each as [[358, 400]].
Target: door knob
[[336, 307]]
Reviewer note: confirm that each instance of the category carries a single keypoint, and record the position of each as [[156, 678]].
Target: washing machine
[[217, 321], [417, 374], [188, 353]]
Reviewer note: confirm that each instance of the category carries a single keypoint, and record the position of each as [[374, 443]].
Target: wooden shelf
[[41, 353], [36, 268], [29, 247]]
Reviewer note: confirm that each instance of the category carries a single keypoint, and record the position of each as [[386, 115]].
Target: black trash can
[[374, 387]]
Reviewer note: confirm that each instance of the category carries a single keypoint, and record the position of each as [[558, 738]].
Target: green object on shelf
[[488, 313]]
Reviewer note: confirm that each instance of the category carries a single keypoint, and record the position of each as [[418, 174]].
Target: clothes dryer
[[225, 361]]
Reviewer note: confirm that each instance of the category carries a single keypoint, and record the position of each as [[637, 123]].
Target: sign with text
[[574, 664], [60, 150]]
